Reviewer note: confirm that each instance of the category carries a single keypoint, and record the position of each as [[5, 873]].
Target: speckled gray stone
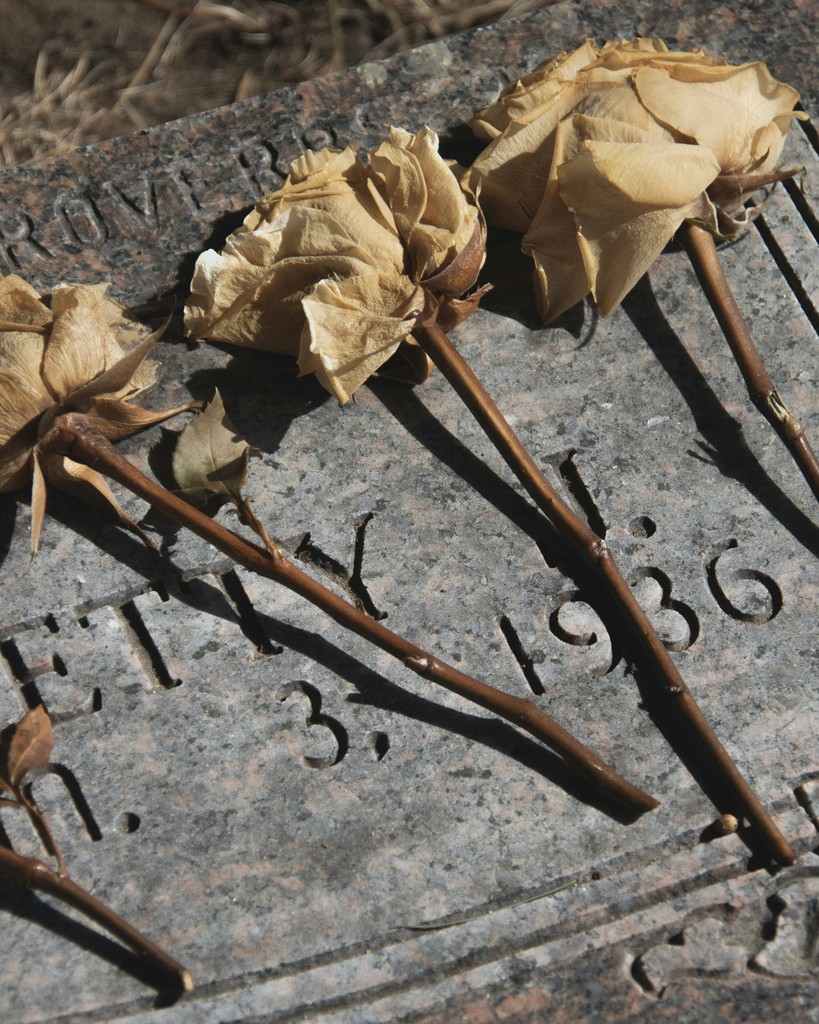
[[277, 802]]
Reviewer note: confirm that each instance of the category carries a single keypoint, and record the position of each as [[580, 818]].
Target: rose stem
[[596, 555], [702, 251], [74, 436], [41, 826], [34, 874]]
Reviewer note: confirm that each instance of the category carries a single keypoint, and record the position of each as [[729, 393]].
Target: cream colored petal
[[20, 302], [513, 169], [560, 276], [85, 484], [313, 177], [446, 206], [244, 304], [642, 46], [23, 396], [38, 501], [251, 293], [117, 378], [560, 273], [433, 215], [116, 419], [21, 352], [531, 91], [729, 109], [512, 172], [610, 97], [628, 200], [404, 185], [18, 432], [90, 297], [82, 343], [343, 187], [19, 403], [354, 326], [622, 56], [21, 359]]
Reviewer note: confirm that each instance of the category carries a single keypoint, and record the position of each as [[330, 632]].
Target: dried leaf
[[30, 746], [210, 461]]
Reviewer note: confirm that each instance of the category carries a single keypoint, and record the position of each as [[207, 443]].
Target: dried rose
[[80, 355], [332, 267], [600, 155]]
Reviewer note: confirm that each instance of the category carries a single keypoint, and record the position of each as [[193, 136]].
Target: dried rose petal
[[78, 355], [599, 156], [332, 267]]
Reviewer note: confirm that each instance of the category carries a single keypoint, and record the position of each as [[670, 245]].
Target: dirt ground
[[77, 71]]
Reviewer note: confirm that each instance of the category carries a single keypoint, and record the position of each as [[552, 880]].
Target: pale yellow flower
[[332, 268], [600, 155], [79, 355]]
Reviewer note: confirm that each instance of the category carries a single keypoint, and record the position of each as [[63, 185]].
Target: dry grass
[[181, 56]]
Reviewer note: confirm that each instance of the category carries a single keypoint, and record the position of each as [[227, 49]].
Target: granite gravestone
[[283, 806]]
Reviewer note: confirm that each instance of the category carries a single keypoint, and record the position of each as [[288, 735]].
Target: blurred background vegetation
[[78, 71]]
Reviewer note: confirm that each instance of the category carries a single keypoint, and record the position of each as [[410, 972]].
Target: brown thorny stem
[[34, 874], [596, 555], [702, 251], [74, 436]]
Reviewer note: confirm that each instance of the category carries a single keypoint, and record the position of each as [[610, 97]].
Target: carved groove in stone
[[356, 582], [145, 646], [747, 595], [319, 136], [521, 656], [677, 624], [791, 274], [185, 182], [261, 165], [74, 789], [21, 674], [703, 948], [380, 744], [16, 232], [140, 208], [81, 220], [249, 620], [807, 796], [127, 823], [575, 622], [350, 581], [576, 489], [793, 951], [642, 527], [316, 718]]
